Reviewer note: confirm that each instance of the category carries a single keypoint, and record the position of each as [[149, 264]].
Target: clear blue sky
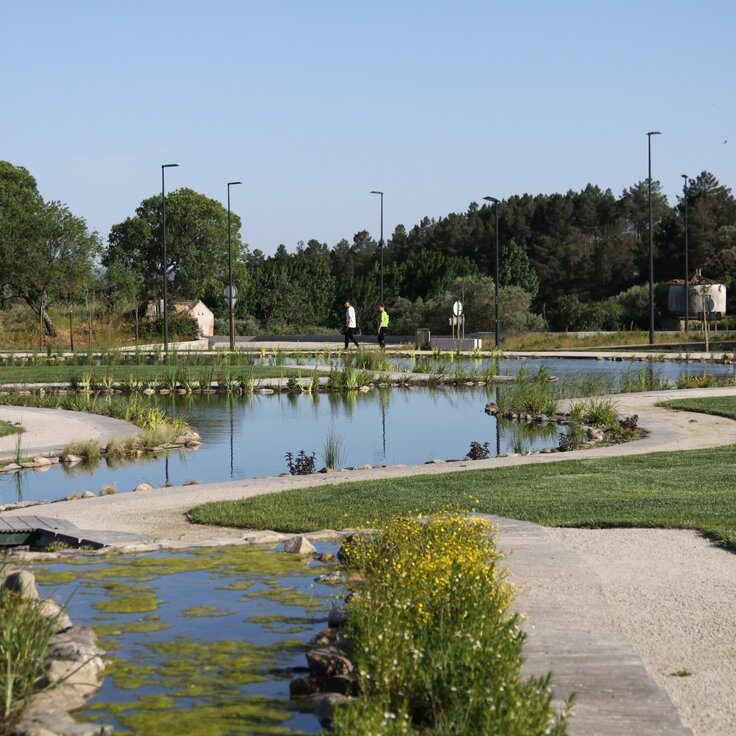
[[314, 103]]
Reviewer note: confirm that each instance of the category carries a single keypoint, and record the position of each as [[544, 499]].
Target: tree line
[[578, 260]]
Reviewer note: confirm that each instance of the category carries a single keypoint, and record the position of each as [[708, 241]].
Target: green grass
[[722, 406], [7, 428], [693, 489], [144, 373]]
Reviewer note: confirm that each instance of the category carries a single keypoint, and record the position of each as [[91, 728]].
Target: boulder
[[328, 661], [143, 487], [23, 583], [299, 545], [108, 491], [324, 706], [337, 617], [88, 494]]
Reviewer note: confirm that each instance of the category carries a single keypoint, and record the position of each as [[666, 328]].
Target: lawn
[[693, 489], [722, 406]]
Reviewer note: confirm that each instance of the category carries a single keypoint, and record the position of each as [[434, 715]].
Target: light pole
[[687, 266], [651, 239], [381, 243], [495, 276], [230, 269], [166, 283]]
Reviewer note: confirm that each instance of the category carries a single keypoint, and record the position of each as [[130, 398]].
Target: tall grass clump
[[89, 450], [598, 411], [434, 644], [333, 452], [531, 396], [24, 637]]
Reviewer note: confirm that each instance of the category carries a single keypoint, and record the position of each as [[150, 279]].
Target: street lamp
[[651, 239], [687, 267], [381, 243], [495, 277], [166, 284], [230, 269]]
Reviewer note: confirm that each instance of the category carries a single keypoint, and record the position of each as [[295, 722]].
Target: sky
[[314, 103]]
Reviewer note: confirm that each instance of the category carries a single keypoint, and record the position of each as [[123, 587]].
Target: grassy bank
[[101, 374], [693, 489], [611, 340], [722, 406]]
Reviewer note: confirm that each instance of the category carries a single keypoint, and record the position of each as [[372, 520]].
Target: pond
[[248, 436], [201, 641]]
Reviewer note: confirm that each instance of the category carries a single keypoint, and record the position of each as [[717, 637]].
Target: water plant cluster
[[432, 638], [24, 636]]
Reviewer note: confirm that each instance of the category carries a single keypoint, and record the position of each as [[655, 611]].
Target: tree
[[515, 268], [46, 252], [196, 247]]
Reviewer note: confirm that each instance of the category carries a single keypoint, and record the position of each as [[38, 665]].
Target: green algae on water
[[205, 612]]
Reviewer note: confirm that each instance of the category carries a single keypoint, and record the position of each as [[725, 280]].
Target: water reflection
[[247, 436]]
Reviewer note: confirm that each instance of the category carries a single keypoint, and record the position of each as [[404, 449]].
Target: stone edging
[[74, 671]]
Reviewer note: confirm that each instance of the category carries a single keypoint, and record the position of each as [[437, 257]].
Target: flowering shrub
[[432, 638]]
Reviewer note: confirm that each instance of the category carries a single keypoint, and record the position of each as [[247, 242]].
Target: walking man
[[382, 325], [350, 324]]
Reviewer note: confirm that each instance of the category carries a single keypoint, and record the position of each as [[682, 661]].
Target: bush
[[302, 464], [181, 327], [433, 641]]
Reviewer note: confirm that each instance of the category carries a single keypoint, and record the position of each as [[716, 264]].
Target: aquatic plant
[[333, 452]]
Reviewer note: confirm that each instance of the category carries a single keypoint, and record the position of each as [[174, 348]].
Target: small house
[[196, 309]]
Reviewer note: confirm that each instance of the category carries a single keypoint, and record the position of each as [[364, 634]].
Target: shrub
[[302, 464], [86, 449], [478, 451], [432, 638], [181, 327]]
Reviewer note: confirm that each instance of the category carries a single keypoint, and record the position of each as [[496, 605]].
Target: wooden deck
[[42, 530]]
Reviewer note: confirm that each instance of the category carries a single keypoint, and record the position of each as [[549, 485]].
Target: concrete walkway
[[48, 431]]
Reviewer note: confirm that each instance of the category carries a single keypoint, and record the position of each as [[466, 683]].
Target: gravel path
[[673, 594]]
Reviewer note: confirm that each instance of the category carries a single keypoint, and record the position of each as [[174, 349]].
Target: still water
[[248, 436], [201, 641]]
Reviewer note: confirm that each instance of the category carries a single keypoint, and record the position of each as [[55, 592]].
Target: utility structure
[[651, 238], [230, 293], [687, 265], [380, 244], [495, 275], [165, 259]]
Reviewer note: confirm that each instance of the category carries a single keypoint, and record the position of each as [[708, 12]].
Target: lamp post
[[651, 238], [495, 276], [230, 269], [166, 283], [381, 243], [687, 266]]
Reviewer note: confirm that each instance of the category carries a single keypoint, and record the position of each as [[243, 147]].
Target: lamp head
[[231, 183], [381, 193], [654, 132], [492, 199], [168, 166]]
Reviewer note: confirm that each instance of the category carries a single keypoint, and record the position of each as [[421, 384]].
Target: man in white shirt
[[350, 324]]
